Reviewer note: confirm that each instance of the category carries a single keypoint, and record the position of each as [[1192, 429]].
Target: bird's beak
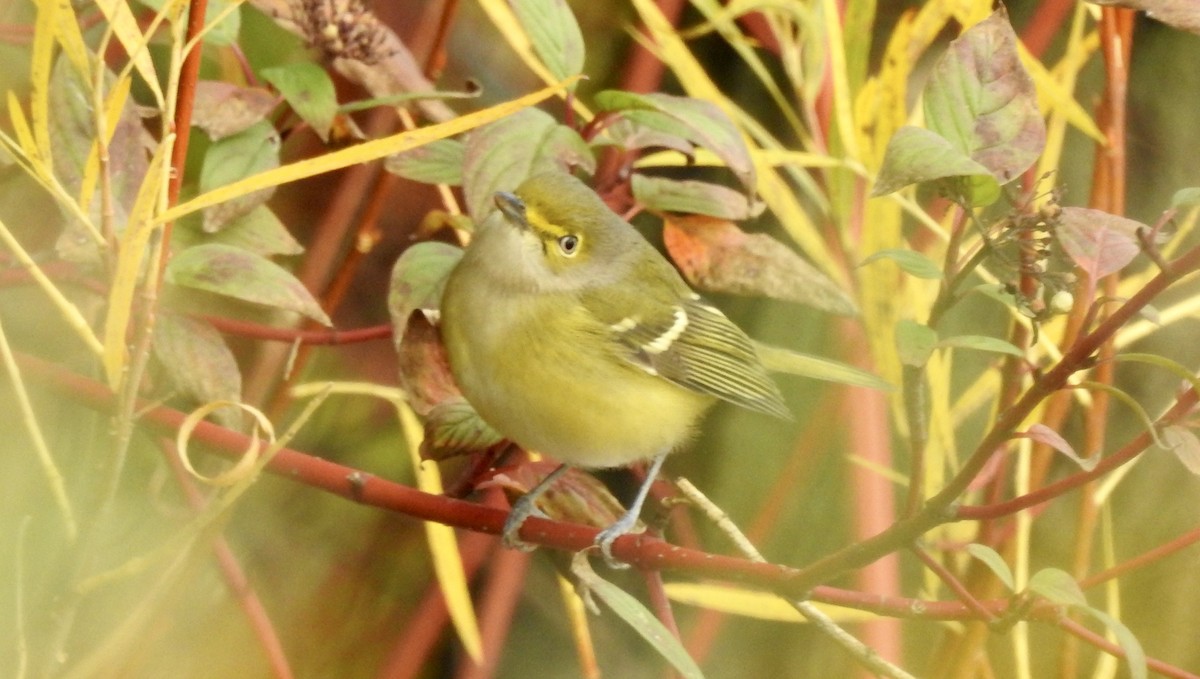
[[512, 207]]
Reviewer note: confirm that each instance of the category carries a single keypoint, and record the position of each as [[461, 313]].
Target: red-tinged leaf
[[310, 92], [1047, 436], [1184, 444], [575, 497], [439, 162], [499, 156], [1181, 14], [554, 33], [981, 99], [223, 109], [424, 367], [254, 150], [199, 363], [232, 272], [916, 155], [1100, 243], [699, 122], [418, 278], [693, 197], [454, 428], [715, 255]]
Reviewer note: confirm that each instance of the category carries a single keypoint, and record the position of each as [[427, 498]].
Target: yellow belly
[[563, 392]]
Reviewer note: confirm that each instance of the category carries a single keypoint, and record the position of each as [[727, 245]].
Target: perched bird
[[571, 335]]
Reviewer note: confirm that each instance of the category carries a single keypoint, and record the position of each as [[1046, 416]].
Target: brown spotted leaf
[[424, 366], [223, 109], [716, 256], [576, 497], [981, 99]]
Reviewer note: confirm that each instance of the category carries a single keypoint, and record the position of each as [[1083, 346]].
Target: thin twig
[[858, 650]]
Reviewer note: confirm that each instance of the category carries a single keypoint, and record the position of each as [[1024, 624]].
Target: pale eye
[[569, 244]]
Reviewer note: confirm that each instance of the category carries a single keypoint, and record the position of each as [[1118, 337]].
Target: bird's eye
[[569, 244]]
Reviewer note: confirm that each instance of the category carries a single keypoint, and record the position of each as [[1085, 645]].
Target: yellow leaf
[[443, 546], [71, 38], [112, 116], [362, 153], [129, 264], [21, 129], [753, 603], [41, 59], [125, 27]]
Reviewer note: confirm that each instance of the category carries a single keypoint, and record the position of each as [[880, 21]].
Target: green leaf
[[258, 231], [700, 122], [232, 272], [981, 99], [439, 162], [911, 261], [693, 197], [454, 428], [418, 278], [636, 616], [1135, 656], [251, 151], [309, 90], [554, 33], [1057, 586], [1099, 242], [791, 362], [995, 563], [915, 155], [499, 156], [914, 342], [982, 343], [1183, 198], [199, 363]]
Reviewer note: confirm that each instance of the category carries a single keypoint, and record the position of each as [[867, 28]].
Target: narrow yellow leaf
[[443, 546], [753, 603], [842, 97], [40, 63], [114, 103], [125, 27], [71, 38], [134, 240], [20, 124], [361, 153], [69, 311]]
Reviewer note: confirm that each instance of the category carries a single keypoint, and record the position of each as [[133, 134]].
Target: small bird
[[571, 335]]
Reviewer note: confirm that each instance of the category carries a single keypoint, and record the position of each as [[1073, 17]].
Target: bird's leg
[[525, 507], [627, 521]]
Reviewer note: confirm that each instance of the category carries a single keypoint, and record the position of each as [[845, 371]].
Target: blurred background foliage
[[350, 590]]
